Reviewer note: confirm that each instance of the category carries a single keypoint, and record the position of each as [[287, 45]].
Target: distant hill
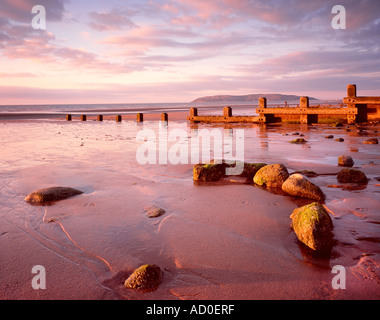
[[249, 98]]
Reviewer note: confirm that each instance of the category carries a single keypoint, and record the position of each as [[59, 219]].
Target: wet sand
[[215, 241]]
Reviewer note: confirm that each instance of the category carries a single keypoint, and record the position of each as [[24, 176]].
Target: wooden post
[[304, 119], [304, 102], [164, 117], [351, 93], [351, 118], [227, 112], [351, 90], [83, 117], [100, 117], [118, 118], [68, 117], [140, 117], [262, 106], [193, 112], [262, 103]]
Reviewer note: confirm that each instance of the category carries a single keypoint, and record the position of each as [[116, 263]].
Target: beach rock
[[345, 161], [51, 194], [297, 185], [307, 173], [351, 176], [313, 226], [147, 277], [371, 141], [298, 141], [209, 172], [339, 139], [250, 169], [330, 136], [336, 124], [154, 212], [272, 175]]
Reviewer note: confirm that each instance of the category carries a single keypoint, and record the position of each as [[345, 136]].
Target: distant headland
[[249, 98]]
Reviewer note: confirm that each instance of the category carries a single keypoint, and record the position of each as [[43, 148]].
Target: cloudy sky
[[121, 51]]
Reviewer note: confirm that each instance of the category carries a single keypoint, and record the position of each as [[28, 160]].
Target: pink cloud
[[20, 10], [171, 34], [312, 64], [114, 20]]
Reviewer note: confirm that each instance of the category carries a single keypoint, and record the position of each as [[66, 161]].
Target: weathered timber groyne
[[356, 110]]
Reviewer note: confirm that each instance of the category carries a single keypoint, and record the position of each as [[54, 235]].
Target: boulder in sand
[[307, 173], [154, 212], [272, 175], [313, 226], [371, 141], [147, 277], [351, 176], [209, 172], [51, 194], [297, 185], [298, 141], [250, 169], [345, 161]]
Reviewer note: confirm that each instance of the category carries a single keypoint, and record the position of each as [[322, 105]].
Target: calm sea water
[[132, 108], [53, 111], [90, 108]]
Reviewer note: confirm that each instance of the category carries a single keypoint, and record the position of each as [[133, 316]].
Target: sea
[[54, 110]]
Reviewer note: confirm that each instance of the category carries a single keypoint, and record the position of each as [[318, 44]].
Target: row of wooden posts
[[139, 117]]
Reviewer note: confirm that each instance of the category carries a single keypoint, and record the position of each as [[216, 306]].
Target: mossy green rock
[[51, 194], [250, 169], [147, 277], [272, 175], [209, 172], [313, 226], [297, 185], [298, 141]]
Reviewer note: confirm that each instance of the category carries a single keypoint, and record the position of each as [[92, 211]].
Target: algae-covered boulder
[[345, 161], [297, 185], [272, 175], [313, 226], [298, 141], [51, 194], [250, 169], [351, 176], [209, 172], [147, 277]]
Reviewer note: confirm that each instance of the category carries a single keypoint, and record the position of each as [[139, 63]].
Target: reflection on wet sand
[[215, 241]]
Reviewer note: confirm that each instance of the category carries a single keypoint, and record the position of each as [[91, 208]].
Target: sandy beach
[[225, 240]]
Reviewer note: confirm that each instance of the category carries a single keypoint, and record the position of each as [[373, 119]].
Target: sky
[[121, 51]]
